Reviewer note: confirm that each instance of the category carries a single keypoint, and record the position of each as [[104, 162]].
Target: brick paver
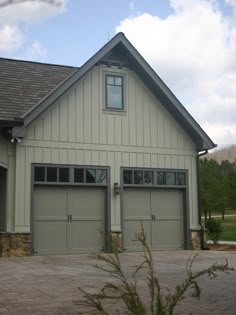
[[48, 284]]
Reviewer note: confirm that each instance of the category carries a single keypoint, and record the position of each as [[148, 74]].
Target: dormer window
[[114, 92]]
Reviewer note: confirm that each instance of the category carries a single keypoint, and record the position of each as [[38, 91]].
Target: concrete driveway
[[48, 284]]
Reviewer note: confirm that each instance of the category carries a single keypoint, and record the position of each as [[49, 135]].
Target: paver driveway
[[48, 284]]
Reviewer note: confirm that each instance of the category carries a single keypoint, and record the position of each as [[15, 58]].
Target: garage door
[[160, 211], [68, 220]]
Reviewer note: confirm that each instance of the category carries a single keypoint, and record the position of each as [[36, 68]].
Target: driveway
[[48, 284]]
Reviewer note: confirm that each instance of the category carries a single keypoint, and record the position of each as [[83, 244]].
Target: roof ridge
[[38, 62]]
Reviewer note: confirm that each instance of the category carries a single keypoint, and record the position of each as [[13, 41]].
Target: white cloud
[[132, 5], [35, 51], [13, 19], [10, 38], [193, 50]]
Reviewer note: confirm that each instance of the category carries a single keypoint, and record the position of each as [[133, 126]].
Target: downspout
[[199, 200]]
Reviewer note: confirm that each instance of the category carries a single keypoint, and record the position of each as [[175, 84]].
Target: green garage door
[[68, 220], [160, 211]]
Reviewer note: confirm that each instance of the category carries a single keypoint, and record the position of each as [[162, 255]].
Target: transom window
[[154, 177], [70, 175], [114, 92]]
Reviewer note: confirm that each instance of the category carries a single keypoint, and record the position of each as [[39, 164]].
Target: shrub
[[214, 228], [124, 288]]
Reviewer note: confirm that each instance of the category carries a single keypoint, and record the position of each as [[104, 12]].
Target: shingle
[[23, 84]]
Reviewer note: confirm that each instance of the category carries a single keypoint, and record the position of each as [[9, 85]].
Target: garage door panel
[[162, 217], [68, 219], [51, 218], [136, 204], [86, 202], [43, 202], [86, 236], [131, 228], [167, 203], [50, 237], [167, 235]]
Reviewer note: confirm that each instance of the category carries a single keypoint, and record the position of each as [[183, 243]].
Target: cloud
[[193, 50], [11, 38], [132, 5], [14, 18], [35, 52]]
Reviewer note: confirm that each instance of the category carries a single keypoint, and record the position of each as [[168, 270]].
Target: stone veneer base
[[15, 244], [196, 239]]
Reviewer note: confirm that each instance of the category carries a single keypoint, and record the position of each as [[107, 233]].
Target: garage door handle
[[153, 217], [70, 217]]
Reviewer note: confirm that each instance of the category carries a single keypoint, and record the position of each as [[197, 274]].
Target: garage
[[69, 218], [159, 205]]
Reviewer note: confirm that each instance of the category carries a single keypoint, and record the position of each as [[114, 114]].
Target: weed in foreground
[[124, 289]]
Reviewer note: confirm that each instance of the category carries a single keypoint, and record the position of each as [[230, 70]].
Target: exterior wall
[[2, 199], [3, 152], [78, 130], [7, 161]]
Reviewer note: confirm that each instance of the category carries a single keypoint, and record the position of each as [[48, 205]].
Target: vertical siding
[[77, 130]]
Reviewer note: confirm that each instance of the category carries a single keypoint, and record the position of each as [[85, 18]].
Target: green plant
[[124, 289], [214, 228]]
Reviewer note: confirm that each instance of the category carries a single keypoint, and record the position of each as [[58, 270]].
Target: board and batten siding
[[8, 161], [77, 130]]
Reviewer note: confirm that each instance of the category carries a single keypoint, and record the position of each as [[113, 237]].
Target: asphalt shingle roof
[[23, 84]]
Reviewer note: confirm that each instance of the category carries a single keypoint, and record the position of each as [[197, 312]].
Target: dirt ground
[[222, 247]]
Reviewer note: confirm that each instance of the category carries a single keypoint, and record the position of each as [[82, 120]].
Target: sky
[[191, 44]]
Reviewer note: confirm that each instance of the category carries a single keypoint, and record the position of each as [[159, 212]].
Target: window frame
[[154, 182], [122, 86], [71, 169]]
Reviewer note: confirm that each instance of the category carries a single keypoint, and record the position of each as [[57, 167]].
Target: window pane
[[114, 97], [110, 79], [90, 175], [64, 175], [138, 177], [39, 174], [148, 177], [101, 176], [118, 81], [180, 178], [78, 175], [170, 178], [161, 178], [127, 177], [51, 174]]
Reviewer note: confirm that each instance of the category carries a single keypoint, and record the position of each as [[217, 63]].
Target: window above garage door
[[73, 175], [154, 177]]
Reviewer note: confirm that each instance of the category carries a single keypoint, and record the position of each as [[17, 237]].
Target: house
[[97, 148]]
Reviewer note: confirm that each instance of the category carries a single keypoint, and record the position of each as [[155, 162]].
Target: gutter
[[199, 201]]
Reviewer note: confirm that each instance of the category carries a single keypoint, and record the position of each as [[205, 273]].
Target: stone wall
[[15, 244], [117, 240], [196, 239]]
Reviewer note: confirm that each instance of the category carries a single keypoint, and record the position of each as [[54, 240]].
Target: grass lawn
[[229, 229]]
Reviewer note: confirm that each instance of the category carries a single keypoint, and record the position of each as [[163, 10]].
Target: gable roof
[[24, 84], [121, 52]]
